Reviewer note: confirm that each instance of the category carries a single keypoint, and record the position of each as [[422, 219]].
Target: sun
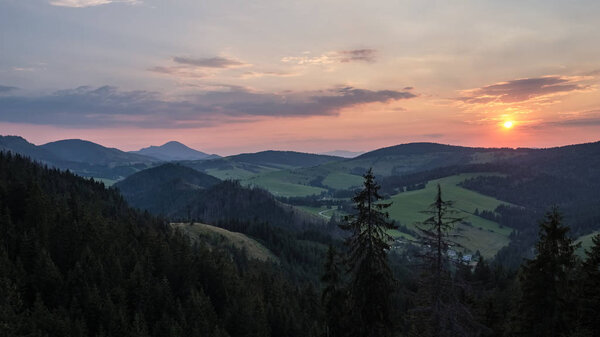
[[508, 124]]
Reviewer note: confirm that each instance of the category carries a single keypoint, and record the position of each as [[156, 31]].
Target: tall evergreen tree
[[547, 288], [371, 280], [334, 295], [588, 292], [439, 311]]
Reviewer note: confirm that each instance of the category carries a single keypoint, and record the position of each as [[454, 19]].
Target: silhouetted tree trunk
[[371, 280], [439, 311]]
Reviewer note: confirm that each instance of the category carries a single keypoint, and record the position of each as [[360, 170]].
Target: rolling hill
[[247, 165], [164, 188], [174, 151], [477, 233], [81, 157], [21, 146], [82, 151], [179, 192], [346, 174]]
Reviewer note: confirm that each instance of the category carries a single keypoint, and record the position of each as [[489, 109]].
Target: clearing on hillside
[[478, 233], [254, 249]]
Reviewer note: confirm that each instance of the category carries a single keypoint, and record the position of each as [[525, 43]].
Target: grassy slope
[[254, 248], [236, 172], [586, 243], [484, 235], [344, 174], [284, 183]]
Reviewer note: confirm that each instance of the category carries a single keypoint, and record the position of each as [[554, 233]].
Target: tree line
[[554, 293], [76, 260]]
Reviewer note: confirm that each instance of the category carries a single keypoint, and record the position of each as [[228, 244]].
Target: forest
[[77, 260]]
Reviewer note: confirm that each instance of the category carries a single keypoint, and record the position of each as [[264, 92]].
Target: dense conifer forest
[[76, 260]]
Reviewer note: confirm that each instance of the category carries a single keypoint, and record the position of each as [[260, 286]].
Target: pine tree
[[334, 295], [371, 280], [439, 311], [588, 291], [546, 281]]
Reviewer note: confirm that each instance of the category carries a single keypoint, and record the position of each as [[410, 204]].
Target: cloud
[[364, 55], [89, 3], [211, 62], [522, 90], [178, 71], [5, 89], [342, 56], [257, 74], [187, 67], [107, 106], [588, 118]]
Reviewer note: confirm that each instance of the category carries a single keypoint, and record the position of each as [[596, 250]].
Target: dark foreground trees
[[588, 292], [371, 283], [547, 304], [75, 260], [438, 309]]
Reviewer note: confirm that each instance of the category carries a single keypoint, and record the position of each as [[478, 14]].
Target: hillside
[[82, 157], [565, 176], [82, 151], [19, 145], [173, 191], [165, 188], [208, 233], [77, 261], [246, 165], [478, 233], [391, 161], [174, 151]]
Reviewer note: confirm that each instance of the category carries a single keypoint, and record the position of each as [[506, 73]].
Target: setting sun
[[508, 124]]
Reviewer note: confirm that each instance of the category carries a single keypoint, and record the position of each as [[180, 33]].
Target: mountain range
[[500, 191]]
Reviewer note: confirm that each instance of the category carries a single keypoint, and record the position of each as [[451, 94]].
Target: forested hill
[[566, 176], [75, 260], [83, 151], [82, 157], [182, 193], [285, 158], [165, 189]]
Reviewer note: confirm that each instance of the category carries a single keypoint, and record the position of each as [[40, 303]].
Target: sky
[[232, 76]]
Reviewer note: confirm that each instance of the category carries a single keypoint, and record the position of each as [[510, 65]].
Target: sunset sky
[[235, 76]]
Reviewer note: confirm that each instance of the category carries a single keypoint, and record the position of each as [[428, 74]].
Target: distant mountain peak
[[174, 151]]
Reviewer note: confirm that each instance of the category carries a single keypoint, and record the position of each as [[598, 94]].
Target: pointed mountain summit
[[173, 150]]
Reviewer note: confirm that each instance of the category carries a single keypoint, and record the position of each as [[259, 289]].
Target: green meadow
[[477, 233]]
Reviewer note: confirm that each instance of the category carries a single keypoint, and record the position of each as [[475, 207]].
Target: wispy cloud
[[343, 56], [211, 62], [188, 67], [5, 89], [524, 89], [89, 3], [580, 119], [108, 106], [179, 71], [257, 74], [357, 55]]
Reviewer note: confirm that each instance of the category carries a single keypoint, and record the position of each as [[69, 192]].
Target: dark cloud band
[[108, 106], [521, 90]]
